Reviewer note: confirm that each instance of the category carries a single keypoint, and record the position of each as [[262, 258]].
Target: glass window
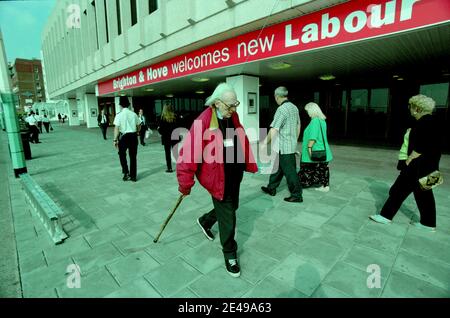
[[133, 12], [106, 22], [119, 22], [438, 92], [152, 6], [379, 100], [96, 26], [359, 99]]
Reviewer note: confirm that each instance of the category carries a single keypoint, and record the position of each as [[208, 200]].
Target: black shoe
[[206, 231], [292, 199], [232, 266], [133, 179], [126, 177], [169, 170], [268, 191]]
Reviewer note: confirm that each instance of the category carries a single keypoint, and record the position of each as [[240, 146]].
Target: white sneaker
[[380, 219], [323, 189], [423, 227]]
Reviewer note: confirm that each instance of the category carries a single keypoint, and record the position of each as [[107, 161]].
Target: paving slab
[[401, 285], [353, 281], [171, 278], [132, 267], [212, 285], [421, 267], [271, 287]]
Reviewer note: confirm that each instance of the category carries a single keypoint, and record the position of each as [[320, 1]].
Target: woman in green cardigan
[[313, 173]]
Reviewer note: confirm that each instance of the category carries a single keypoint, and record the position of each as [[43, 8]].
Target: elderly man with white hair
[[217, 151]]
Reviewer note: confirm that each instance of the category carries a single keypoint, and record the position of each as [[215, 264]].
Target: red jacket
[[202, 155]]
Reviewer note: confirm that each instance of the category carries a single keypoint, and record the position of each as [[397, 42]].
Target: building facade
[[359, 60], [27, 82]]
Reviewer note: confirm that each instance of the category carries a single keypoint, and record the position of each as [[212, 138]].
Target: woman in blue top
[[313, 173]]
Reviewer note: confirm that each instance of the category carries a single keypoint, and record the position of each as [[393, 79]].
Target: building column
[[247, 91], [91, 110], [72, 112]]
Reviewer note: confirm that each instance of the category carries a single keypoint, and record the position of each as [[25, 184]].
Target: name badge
[[228, 143]]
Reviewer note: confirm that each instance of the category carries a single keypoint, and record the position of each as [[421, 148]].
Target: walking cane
[[168, 218]]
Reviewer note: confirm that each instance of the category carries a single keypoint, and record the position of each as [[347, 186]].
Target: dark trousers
[[224, 213], [39, 123], [128, 141], [168, 149], [286, 167], [34, 133], [104, 127], [142, 134], [398, 193], [47, 126]]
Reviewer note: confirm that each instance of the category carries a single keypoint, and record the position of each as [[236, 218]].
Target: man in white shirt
[[34, 130], [127, 125]]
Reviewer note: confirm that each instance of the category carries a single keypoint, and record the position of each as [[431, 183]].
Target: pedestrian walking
[[103, 122], [46, 123], [424, 153], [167, 125], [143, 126], [315, 171], [126, 138], [284, 134], [220, 171]]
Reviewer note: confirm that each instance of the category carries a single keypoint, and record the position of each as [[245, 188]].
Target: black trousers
[[398, 193], [47, 127], [104, 127], [34, 133], [128, 142], [40, 126], [286, 167], [224, 213], [168, 149], [142, 134]]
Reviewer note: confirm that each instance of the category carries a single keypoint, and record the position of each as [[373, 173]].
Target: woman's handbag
[[431, 181], [320, 155]]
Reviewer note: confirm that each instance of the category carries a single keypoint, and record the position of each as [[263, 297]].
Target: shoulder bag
[[320, 155]]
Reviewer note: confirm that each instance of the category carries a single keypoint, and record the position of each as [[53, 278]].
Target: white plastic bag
[[148, 133]]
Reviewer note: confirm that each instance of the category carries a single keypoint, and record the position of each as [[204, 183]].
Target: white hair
[[281, 91], [218, 93], [314, 110], [423, 103]]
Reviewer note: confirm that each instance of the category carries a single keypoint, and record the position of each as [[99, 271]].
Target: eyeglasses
[[228, 107]]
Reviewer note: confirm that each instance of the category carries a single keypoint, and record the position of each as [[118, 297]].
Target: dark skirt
[[314, 174]]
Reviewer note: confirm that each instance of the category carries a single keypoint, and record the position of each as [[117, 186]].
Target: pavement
[[323, 247]]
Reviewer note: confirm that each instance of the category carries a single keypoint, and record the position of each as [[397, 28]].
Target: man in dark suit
[[103, 122], [143, 126]]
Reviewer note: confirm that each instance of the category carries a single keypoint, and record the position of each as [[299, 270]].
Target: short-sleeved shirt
[[31, 120], [314, 131], [127, 121], [286, 121]]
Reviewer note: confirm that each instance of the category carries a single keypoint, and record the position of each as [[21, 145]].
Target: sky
[[22, 23]]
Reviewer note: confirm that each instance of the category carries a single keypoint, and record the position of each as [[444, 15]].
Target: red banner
[[352, 21]]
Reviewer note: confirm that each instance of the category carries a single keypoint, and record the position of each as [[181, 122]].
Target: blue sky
[[22, 23]]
